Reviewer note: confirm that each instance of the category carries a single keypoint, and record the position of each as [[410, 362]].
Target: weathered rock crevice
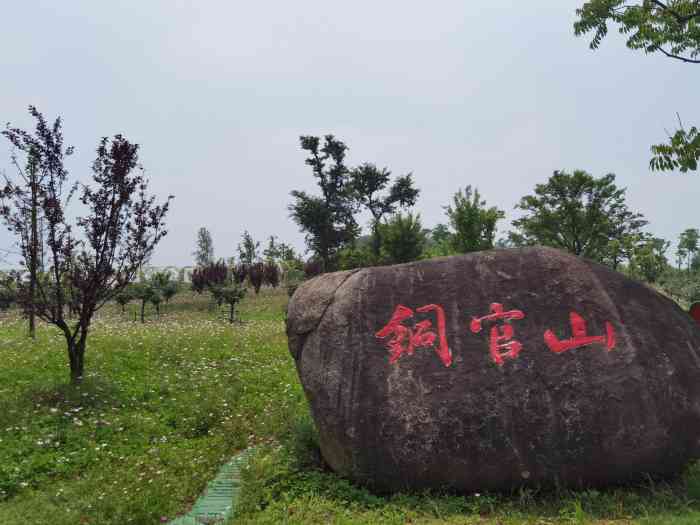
[[299, 329]]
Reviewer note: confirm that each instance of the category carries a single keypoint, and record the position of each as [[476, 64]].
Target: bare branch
[[677, 57]]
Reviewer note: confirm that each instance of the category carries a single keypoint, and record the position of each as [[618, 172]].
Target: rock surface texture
[[496, 369]]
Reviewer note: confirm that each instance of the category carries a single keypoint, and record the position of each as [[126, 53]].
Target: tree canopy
[[403, 238], [327, 220], [474, 224], [578, 213], [367, 182]]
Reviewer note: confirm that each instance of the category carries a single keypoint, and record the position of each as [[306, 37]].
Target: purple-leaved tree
[[94, 259]]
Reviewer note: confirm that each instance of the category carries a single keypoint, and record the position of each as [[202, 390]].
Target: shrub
[[213, 274], [230, 295], [403, 238], [125, 297], [294, 279], [271, 274], [312, 268], [239, 272], [163, 282], [256, 273]]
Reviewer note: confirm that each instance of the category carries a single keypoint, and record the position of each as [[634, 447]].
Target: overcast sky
[[217, 94]]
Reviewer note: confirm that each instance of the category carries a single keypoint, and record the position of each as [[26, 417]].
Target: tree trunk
[[143, 311], [76, 357], [231, 311], [376, 239], [33, 253]]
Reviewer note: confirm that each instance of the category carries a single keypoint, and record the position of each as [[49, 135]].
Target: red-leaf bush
[[313, 267], [271, 274], [256, 273], [204, 277]]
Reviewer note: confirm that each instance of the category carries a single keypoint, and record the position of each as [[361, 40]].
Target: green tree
[[648, 260], [125, 297], [358, 255], [681, 255], [577, 213], [367, 183], [327, 220], [403, 238], [164, 283], [286, 252], [473, 223], [688, 244], [144, 292], [231, 294], [248, 249], [204, 253], [671, 28], [695, 263], [155, 298], [438, 242], [272, 252]]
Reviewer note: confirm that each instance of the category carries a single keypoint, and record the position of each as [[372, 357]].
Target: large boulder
[[494, 370]]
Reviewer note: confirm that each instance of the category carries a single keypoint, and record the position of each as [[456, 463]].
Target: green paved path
[[217, 502]]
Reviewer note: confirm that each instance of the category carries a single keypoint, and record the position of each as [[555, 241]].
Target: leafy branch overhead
[[670, 28]]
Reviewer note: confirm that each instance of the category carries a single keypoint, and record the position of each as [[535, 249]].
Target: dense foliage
[[367, 183], [271, 274], [579, 213], [256, 274], [404, 238], [328, 220], [474, 224], [213, 274]]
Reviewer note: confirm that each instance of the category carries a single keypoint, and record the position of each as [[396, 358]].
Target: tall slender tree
[[204, 253], [272, 252], [248, 249], [689, 244], [25, 218], [327, 220]]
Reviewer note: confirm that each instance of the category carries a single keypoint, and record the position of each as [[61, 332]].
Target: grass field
[[166, 403]]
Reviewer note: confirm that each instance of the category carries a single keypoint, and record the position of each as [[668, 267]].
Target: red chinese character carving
[[580, 338], [500, 336], [405, 340]]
